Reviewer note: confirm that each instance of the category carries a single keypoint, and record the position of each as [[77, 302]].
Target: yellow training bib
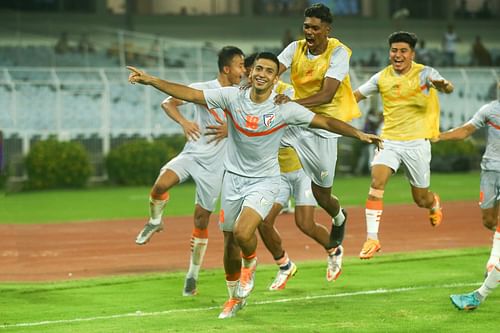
[[409, 113], [307, 77]]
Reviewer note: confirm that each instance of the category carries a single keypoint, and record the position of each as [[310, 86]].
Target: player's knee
[[201, 220], [321, 196], [241, 236], [490, 223], [159, 189]]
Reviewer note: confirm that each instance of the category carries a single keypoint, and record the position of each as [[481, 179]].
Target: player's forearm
[[177, 90], [459, 133], [335, 126], [315, 100], [358, 96], [173, 113]]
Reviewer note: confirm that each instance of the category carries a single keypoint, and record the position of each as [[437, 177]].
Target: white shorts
[[318, 155], [298, 185], [490, 189], [208, 178], [258, 194], [414, 154]]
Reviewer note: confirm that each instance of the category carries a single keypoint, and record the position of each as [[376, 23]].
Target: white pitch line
[[283, 300]]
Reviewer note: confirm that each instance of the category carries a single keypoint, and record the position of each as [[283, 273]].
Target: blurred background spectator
[[449, 44], [480, 56]]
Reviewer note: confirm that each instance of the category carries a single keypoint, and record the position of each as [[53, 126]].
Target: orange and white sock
[[490, 283], [156, 206], [249, 261], [373, 213], [199, 242], [495, 251], [232, 283]]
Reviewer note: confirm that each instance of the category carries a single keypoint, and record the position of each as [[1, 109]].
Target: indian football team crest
[[268, 119]]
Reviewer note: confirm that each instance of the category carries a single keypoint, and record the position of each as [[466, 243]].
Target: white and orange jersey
[[201, 149], [489, 116], [255, 130]]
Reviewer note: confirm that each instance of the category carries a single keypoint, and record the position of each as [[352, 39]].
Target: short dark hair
[[403, 37], [320, 11], [250, 59], [268, 56], [226, 55]]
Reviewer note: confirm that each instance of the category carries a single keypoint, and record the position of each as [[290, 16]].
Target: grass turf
[[391, 293], [132, 202]]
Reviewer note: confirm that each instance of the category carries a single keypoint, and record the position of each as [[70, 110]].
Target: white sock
[[372, 222], [231, 288], [339, 219], [198, 248], [156, 207], [373, 213], [490, 283], [495, 249]]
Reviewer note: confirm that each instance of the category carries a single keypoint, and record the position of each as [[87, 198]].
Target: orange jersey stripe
[[493, 125], [214, 114], [248, 133]]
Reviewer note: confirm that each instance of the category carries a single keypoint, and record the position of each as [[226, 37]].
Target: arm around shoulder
[[340, 127], [458, 133]]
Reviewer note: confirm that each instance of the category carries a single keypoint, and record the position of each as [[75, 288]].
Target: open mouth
[[310, 41], [260, 81]]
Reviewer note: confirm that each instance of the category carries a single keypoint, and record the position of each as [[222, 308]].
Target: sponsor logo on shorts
[[323, 174], [264, 202], [268, 119]]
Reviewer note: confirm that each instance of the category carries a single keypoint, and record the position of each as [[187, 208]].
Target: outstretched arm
[[458, 133], [343, 128], [443, 86], [176, 90], [190, 128]]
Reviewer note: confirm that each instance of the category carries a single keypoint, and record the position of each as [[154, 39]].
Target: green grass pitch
[[393, 293]]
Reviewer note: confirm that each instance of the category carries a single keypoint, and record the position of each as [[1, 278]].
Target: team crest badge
[[268, 119]]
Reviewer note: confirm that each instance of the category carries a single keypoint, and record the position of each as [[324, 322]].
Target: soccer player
[[320, 76], [200, 159], [293, 183], [488, 116], [251, 181], [411, 118]]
